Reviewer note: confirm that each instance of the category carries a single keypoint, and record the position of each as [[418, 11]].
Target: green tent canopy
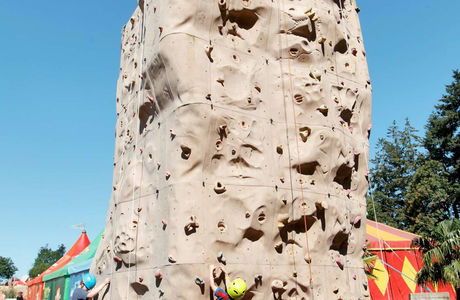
[[84, 257]]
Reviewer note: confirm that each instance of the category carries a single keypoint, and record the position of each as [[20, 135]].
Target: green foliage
[[412, 190], [46, 257], [441, 254], [442, 139], [369, 263], [7, 267], [428, 198], [395, 163]]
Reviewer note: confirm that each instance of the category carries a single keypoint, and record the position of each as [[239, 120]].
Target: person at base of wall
[[19, 296], [87, 289], [235, 289]]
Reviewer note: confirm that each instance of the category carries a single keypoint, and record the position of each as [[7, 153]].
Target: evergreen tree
[[427, 199], [46, 257], [394, 165], [7, 267], [442, 140]]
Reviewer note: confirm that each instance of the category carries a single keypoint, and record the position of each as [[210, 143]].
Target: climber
[[234, 289], [87, 289]]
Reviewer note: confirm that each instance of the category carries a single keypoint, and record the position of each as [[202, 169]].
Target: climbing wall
[[241, 140]]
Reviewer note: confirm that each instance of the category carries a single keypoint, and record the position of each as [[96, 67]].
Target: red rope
[[291, 88]]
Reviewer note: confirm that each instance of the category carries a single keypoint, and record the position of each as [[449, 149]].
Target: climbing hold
[[315, 74], [357, 9], [186, 152], [304, 133], [355, 90], [221, 226], [117, 259], [307, 259], [171, 259], [277, 285], [354, 276], [258, 278], [279, 149], [323, 109], [221, 258], [354, 51], [199, 281], [167, 175], [357, 220], [208, 51], [141, 279], [339, 262], [158, 165], [222, 5], [165, 223], [150, 99], [282, 220], [219, 188], [219, 145], [279, 247], [159, 274], [191, 226], [172, 134]]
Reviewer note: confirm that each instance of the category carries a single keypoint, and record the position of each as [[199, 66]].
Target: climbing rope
[[140, 93], [378, 237], [291, 90]]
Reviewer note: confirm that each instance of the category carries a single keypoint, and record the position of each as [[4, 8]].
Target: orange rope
[[291, 88]]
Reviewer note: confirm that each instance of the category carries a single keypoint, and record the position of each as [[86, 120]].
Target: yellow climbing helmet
[[237, 288]]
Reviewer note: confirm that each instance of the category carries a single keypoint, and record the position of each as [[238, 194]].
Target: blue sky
[[59, 62]]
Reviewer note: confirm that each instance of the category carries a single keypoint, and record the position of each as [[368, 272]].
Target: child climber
[[235, 289]]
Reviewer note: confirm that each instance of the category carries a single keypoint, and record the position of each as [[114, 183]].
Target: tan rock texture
[[239, 124]]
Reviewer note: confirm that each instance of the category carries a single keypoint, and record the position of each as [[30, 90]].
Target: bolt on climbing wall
[[241, 140]]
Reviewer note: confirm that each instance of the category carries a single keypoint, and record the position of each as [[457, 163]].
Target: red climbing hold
[[150, 99], [339, 262], [158, 274]]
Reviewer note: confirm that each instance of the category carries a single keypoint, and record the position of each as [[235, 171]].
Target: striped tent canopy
[[35, 286], [397, 264]]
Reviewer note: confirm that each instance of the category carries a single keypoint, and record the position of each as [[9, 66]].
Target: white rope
[[378, 237], [139, 95]]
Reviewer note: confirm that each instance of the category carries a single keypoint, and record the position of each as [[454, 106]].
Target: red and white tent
[[397, 264]]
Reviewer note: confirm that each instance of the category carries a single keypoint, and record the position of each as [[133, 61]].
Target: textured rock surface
[[239, 122]]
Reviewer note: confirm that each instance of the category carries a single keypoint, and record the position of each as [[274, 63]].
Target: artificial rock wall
[[239, 123]]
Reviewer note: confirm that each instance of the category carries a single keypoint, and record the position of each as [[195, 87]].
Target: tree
[[428, 198], [442, 139], [46, 257], [7, 267], [441, 254], [395, 163]]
